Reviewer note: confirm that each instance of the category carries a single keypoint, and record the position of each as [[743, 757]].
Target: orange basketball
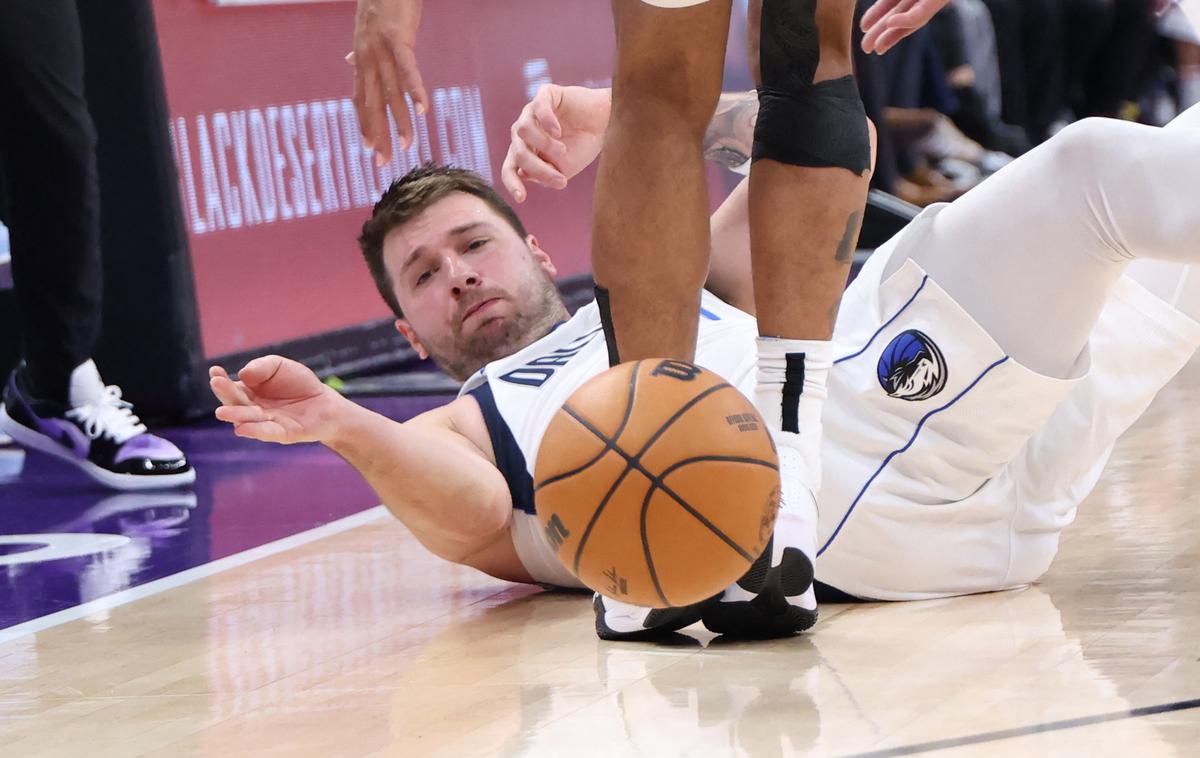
[[657, 482]]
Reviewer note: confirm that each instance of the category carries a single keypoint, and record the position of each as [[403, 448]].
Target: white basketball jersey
[[947, 467], [520, 394]]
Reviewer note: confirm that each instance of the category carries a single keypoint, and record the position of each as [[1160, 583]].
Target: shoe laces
[[108, 415]]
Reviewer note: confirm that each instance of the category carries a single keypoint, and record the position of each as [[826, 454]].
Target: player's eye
[[424, 277], [476, 244]]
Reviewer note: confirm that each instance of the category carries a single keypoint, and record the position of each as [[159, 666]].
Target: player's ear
[[406, 329], [541, 256]]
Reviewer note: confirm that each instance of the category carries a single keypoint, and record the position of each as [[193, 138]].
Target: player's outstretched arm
[[428, 473], [561, 130]]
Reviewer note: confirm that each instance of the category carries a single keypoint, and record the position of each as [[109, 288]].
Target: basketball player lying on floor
[[989, 356]]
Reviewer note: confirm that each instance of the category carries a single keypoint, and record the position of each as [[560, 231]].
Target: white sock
[[805, 411]]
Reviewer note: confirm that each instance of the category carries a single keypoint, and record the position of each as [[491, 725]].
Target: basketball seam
[[656, 482], [718, 459], [646, 545], [607, 445], [678, 415], [610, 445]]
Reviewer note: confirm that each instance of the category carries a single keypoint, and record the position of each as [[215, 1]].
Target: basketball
[[657, 483]]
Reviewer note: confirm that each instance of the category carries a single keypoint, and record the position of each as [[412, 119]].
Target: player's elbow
[[469, 531]]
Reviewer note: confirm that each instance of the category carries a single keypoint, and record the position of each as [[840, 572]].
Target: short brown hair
[[406, 199]]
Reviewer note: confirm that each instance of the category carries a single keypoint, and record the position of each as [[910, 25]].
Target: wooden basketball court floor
[[355, 642]]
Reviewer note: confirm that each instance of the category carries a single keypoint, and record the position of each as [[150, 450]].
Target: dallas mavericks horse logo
[[912, 367]]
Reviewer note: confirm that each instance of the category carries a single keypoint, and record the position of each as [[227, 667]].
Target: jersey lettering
[[538, 371]]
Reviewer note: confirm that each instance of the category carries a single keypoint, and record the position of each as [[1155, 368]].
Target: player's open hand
[[558, 134], [888, 21], [276, 400], [385, 70]]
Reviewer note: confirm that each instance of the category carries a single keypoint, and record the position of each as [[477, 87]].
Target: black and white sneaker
[[97, 432], [775, 598], [634, 623]]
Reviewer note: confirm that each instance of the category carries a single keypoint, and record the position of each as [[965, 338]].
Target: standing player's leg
[[650, 238], [57, 401], [1032, 252], [650, 233], [49, 147], [808, 188]]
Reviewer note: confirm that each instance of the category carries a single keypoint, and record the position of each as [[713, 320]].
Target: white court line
[[124, 597]]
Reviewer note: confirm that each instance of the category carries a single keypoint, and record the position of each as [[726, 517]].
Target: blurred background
[[234, 181]]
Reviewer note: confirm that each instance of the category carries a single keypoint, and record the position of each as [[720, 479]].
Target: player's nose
[[463, 275]]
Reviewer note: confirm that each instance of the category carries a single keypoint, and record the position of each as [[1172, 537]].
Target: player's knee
[[1087, 142], [663, 105], [822, 126]]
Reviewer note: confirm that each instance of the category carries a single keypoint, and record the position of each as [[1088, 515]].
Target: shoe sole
[[768, 615], [661, 622], [27, 437]]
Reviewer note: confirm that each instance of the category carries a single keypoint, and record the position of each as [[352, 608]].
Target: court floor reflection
[[361, 643], [247, 494]]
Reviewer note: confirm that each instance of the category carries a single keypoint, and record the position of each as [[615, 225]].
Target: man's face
[[471, 289]]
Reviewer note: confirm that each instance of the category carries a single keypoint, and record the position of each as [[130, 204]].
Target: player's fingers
[[536, 169], [216, 371], [393, 92], [876, 12], [870, 40], [539, 141], [349, 58], [872, 33], [228, 391], [889, 38], [260, 370], [373, 113], [914, 18], [542, 109], [241, 414], [510, 177], [359, 98], [409, 77], [263, 431]]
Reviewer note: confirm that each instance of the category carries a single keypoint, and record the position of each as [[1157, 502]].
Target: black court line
[[1021, 731]]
